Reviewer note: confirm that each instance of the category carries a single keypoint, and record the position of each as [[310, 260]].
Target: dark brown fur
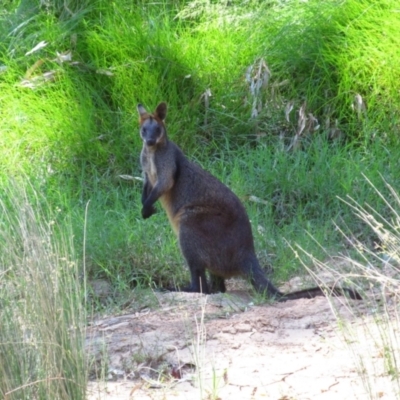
[[211, 223]]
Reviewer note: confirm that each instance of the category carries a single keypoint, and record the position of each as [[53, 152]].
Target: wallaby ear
[[161, 111], [141, 110]]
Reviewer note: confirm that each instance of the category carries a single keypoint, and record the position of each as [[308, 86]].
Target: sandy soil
[[193, 346]]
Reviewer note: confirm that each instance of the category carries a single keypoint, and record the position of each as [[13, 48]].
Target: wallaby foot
[[198, 282], [147, 212], [186, 289], [217, 284]]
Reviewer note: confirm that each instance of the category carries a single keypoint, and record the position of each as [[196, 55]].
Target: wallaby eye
[[144, 130]]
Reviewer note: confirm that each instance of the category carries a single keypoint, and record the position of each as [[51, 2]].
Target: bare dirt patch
[[223, 347]]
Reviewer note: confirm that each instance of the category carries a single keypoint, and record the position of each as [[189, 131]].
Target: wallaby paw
[[148, 212]]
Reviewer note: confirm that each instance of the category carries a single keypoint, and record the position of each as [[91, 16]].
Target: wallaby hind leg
[[217, 284], [196, 260], [198, 283]]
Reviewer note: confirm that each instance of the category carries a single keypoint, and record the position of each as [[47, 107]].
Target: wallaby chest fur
[[189, 191], [158, 166], [211, 224]]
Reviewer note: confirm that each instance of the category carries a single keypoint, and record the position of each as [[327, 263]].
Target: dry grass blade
[[257, 77]]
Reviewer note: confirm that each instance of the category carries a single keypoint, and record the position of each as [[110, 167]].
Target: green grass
[[74, 135]]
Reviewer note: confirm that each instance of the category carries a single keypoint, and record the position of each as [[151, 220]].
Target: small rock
[[229, 329], [242, 328], [114, 374], [101, 288]]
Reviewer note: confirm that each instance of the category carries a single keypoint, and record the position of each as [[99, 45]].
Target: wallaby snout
[[151, 139], [150, 142]]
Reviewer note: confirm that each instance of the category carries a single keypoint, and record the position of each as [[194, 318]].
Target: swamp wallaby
[[211, 223]]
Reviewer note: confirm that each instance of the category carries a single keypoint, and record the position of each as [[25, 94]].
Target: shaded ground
[[223, 347]]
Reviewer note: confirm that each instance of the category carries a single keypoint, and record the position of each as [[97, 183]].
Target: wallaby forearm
[[146, 189], [155, 193], [148, 208]]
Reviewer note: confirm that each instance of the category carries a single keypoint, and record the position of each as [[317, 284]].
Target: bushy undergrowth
[[287, 102]]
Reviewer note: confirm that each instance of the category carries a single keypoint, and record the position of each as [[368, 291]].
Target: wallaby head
[[152, 128]]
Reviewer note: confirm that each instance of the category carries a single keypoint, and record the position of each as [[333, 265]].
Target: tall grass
[[377, 351], [42, 313]]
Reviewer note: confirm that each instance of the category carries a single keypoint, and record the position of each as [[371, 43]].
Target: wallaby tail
[[317, 291], [263, 285], [260, 282]]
